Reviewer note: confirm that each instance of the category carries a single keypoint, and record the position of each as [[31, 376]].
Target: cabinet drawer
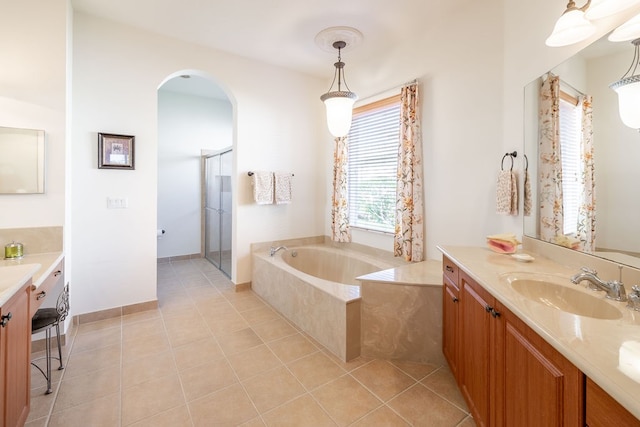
[[450, 270], [39, 294]]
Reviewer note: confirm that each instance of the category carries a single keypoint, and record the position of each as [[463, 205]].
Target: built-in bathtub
[[355, 300], [315, 287]]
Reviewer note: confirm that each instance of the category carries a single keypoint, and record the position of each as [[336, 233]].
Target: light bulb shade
[[571, 27], [602, 8], [628, 90], [339, 106], [630, 30]]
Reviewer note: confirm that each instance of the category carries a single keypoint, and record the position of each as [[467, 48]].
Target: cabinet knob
[[41, 295], [449, 268], [5, 319], [57, 273], [488, 309], [455, 299], [495, 313]]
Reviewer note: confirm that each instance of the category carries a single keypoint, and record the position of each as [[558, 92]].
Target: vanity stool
[[43, 320]]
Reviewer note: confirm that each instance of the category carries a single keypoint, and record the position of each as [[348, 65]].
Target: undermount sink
[[564, 298]]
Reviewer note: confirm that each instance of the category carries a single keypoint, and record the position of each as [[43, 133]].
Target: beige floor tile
[[207, 291], [350, 365], [443, 383], [180, 317], [99, 338], [175, 302], [140, 316], [467, 422], [197, 353], [314, 370], [256, 422], [80, 363], [235, 342], [274, 329], [225, 324], [92, 327], [301, 412], [138, 330], [415, 370], [259, 315], [144, 369], [195, 280], [176, 417], [151, 398], [227, 407], [205, 379], [184, 334], [272, 388], [40, 422], [422, 407], [383, 379], [346, 400], [146, 346], [102, 412], [38, 380], [253, 361], [40, 403], [292, 347], [383, 416], [247, 303], [85, 388]]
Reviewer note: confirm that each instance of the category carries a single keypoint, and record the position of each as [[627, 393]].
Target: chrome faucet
[[614, 289], [273, 250]]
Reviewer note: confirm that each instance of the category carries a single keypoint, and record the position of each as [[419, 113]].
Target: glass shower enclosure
[[217, 209]]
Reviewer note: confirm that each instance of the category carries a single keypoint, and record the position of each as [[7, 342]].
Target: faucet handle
[[635, 289], [589, 270]]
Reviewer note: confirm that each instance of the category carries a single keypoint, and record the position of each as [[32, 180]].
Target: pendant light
[[603, 8], [572, 27], [630, 30], [339, 103], [628, 90]]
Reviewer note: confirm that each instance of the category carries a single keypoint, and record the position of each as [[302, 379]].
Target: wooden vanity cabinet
[[450, 323], [508, 374], [604, 411], [15, 357]]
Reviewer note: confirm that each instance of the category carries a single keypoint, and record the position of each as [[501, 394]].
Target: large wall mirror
[[21, 161], [613, 226]]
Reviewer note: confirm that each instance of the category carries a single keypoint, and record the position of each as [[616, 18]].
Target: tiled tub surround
[[599, 348], [327, 310], [402, 313]]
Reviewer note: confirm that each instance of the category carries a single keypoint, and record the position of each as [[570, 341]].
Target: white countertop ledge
[[13, 277], [597, 347]]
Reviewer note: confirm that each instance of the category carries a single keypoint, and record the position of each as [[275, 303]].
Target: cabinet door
[[450, 305], [475, 342], [15, 360], [535, 384]]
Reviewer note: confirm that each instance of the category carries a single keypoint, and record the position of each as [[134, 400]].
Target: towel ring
[[512, 155]]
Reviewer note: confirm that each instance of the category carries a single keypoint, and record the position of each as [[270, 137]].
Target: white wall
[[187, 124], [117, 71]]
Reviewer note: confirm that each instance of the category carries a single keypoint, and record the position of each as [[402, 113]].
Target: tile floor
[[210, 356]]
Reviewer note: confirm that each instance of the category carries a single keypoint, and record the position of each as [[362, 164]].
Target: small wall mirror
[[21, 161]]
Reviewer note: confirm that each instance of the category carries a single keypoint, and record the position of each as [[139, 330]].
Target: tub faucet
[[614, 289], [273, 250]]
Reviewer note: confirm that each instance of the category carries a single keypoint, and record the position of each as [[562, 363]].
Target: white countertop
[[16, 272], [597, 347]]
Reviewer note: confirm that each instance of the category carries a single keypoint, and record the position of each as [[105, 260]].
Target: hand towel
[[505, 243], [263, 187], [283, 188], [507, 193], [527, 193]]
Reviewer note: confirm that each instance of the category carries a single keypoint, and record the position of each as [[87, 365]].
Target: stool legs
[[61, 367], [47, 352]]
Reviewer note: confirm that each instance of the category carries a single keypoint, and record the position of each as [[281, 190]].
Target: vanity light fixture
[[572, 27], [628, 89], [630, 30], [602, 8], [339, 103]]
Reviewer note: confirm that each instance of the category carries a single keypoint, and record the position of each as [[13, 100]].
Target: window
[[570, 130], [373, 141]]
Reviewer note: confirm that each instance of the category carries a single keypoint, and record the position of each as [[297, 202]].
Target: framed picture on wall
[[116, 151]]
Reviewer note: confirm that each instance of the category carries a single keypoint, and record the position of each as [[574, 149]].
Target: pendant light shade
[[630, 30], [572, 27], [628, 90], [339, 103]]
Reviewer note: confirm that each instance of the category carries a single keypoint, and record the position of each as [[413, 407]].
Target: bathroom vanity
[[24, 285], [519, 361]]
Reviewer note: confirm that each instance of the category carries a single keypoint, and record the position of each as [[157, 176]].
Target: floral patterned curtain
[[550, 165], [409, 230], [587, 207], [340, 231]]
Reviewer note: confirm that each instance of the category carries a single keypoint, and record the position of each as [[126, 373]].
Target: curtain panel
[[587, 207], [409, 228], [340, 231]]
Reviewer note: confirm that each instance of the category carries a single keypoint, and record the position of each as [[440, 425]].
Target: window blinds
[[570, 129]]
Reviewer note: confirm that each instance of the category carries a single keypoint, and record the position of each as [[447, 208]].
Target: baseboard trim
[[242, 286], [114, 312]]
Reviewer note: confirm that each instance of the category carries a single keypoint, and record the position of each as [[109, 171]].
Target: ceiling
[[279, 32]]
